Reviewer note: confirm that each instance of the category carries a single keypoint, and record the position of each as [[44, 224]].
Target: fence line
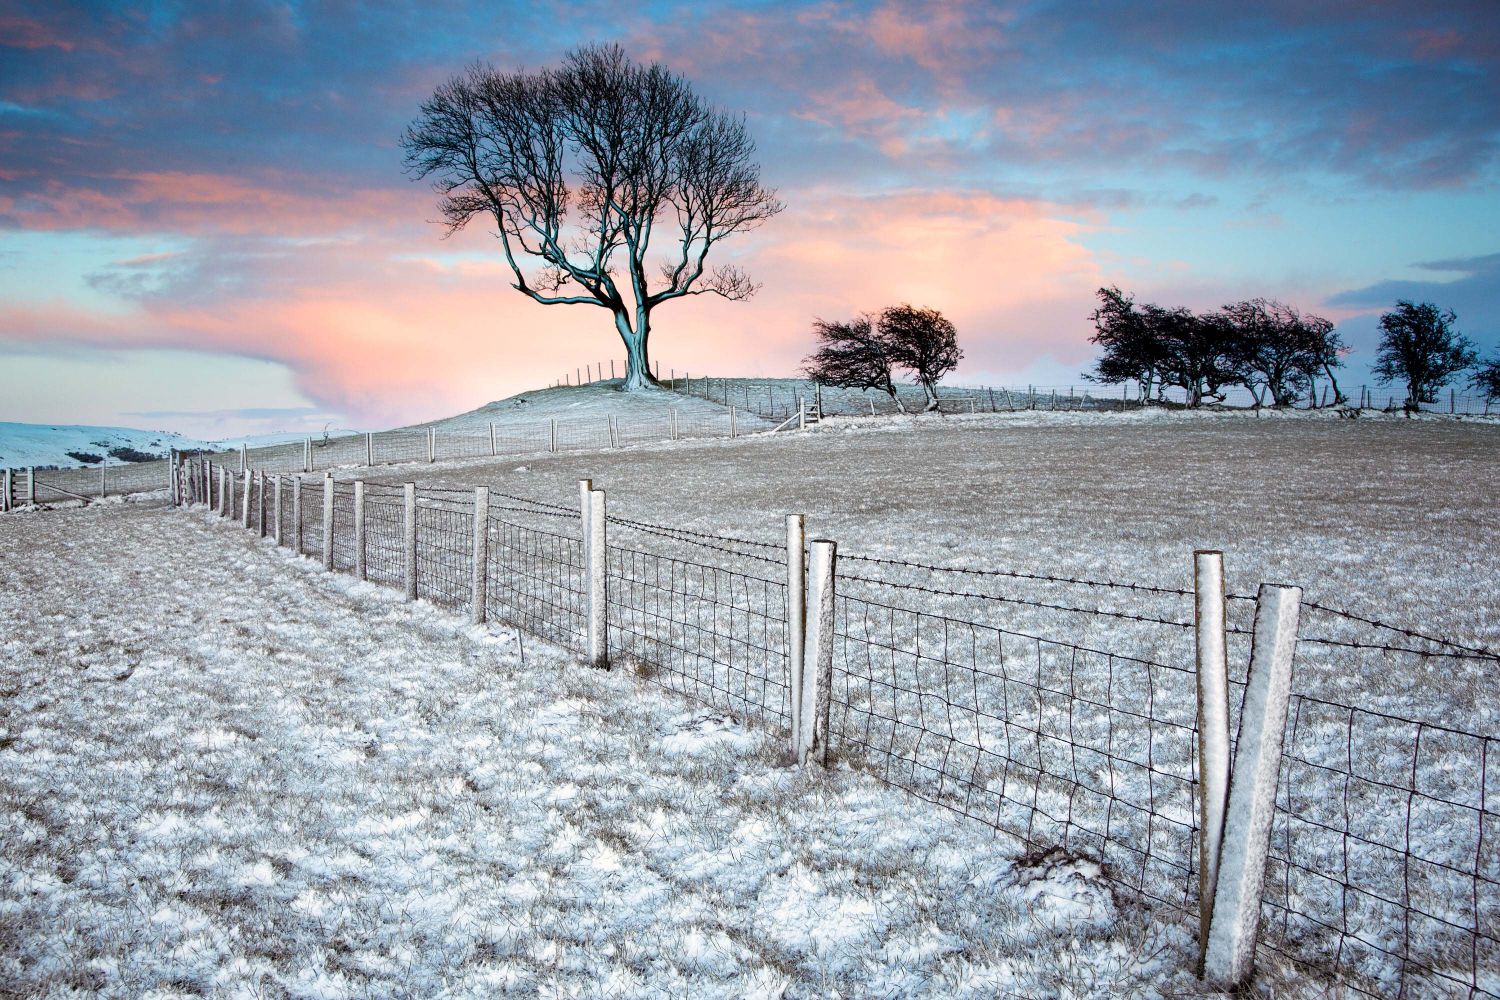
[[1379, 857]]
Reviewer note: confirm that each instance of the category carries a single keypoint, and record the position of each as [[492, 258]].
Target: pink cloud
[[18, 32], [191, 203]]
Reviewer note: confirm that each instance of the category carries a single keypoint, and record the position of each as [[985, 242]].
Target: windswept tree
[[1419, 346], [852, 355], [580, 169], [922, 341], [1275, 349], [1486, 380], [1132, 351], [1197, 352]]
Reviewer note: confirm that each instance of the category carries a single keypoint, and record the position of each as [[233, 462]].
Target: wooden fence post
[[598, 574], [1213, 727], [276, 509], [245, 504], [817, 660], [307, 454], [1230, 954], [328, 520], [796, 617], [479, 582], [431, 444], [244, 457], [226, 492], [369, 449], [5, 490], [297, 514], [733, 430], [103, 480], [552, 440], [361, 570], [493, 450], [409, 529]]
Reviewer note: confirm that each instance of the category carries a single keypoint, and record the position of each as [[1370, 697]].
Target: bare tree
[[577, 166], [923, 341], [852, 355]]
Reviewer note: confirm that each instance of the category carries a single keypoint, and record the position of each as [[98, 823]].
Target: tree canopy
[[582, 169]]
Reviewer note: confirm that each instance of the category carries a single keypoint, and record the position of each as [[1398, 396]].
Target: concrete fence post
[[361, 568], [328, 520], [479, 582], [369, 449], [598, 577], [276, 509], [1213, 727], [817, 660], [307, 454], [585, 495], [409, 530], [796, 617], [552, 439], [431, 444], [297, 514], [1235, 923], [245, 503], [493, 450]]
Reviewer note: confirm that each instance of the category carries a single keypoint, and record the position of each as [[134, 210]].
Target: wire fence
[[1056, 709]]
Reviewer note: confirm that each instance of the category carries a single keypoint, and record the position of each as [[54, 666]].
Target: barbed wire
[[1017, 574]]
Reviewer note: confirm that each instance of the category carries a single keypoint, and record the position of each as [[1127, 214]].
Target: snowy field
[[225, 773], [1387, 517]]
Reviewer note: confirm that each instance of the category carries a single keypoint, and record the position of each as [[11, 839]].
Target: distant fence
[[1068, 713], [777, 399], [23, 486]]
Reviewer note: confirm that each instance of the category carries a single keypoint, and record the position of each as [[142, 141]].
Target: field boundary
[[1364, 847]]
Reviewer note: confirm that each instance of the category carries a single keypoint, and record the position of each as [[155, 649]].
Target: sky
[[205, 224]]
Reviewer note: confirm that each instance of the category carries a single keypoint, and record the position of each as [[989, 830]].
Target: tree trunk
[[1339, 399], [637, 360], [896, 397], [932, 399]]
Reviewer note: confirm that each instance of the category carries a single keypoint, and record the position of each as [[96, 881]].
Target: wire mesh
[[385, 540], [343, 527], [1051, 742], [445, 553], [312, 518], [708, 632], [536, 580]]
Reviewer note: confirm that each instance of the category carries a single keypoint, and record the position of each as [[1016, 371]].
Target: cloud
[[1474, 295]]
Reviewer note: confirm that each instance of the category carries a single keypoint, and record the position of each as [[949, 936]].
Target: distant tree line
[[1268, 347], [1273, 350]]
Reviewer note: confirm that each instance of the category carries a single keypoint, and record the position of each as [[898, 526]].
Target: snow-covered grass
[[223, 772]]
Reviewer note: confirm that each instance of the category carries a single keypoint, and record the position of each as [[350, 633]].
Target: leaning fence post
[[297, 514], [817, 660], [1213, 728], [276, 509], [598, 594], [409, 527], [478, 587], [1235, 922], [359, 530], [328, 520], [796, 617], [245, 503]]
